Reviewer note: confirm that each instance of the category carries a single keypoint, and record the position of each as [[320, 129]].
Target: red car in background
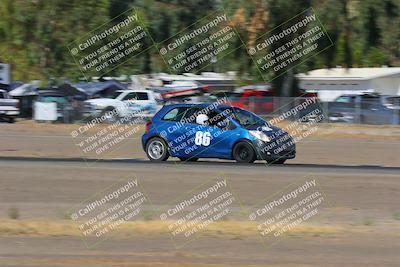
[[255, 101], [258, 98], [255, 98]]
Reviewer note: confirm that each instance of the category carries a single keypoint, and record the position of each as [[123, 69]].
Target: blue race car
[[190, 132]]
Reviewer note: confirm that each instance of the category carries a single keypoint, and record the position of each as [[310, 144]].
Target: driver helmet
[[202, 119]]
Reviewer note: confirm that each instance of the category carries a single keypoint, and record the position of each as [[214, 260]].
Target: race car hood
[[103, 102]]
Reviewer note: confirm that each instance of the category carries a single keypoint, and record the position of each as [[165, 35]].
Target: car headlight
[[349, 116], [98, 106], [260, 135]]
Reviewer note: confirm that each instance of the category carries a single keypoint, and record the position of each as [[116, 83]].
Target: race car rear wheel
[[157, 150], [243, 152]]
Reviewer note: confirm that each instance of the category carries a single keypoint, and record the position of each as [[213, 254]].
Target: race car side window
[[137, 96], [190, 115], [215, 118], [142, 96], [174, 114]]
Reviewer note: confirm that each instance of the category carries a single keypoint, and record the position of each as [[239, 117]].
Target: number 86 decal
[[202, 139]]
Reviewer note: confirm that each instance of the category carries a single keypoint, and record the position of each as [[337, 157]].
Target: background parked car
[[260, 102], [9, 108], [124, 103], [367, 108]]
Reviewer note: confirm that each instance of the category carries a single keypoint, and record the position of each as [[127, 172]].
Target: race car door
[[172, 130], [213, 139]]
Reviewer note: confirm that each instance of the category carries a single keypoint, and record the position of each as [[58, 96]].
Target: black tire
[[11, 120], [110, 114], [157, 149], [243, 152], [278, 161], [189, 159]]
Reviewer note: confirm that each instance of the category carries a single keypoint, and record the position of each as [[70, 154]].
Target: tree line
[[34, 33]]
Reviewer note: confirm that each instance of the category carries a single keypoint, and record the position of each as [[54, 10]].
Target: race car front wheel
[[243, 152], [157, 150]]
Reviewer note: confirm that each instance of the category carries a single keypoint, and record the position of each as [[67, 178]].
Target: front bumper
[[341, 117], [9, 113], [275, 150]]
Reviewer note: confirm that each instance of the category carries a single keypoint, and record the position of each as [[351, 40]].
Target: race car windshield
[[234, 97], [245, 118]]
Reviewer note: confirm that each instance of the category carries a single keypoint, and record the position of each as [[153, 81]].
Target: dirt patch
[[68, 228]]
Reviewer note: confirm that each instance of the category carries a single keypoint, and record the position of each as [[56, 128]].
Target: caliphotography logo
[[201, 44], [102, 215], [289, 44], [196, 211], [289, 211], [111, 44]]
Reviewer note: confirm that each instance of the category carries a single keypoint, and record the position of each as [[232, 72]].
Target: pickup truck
[[124, 103], [9, 108]]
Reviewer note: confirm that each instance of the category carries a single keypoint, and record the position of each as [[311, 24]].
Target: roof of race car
[[197, 105]]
